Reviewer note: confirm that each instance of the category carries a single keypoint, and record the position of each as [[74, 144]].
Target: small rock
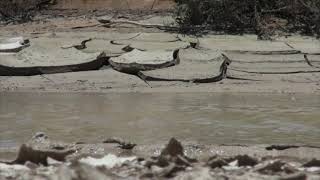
[[40, 135], [12, 171], [171, 170], [87, 172], [27, 153], [185, 161], [121, 142], [196, 174], [156, 169], [58, 147], [217, 162], [271, 167], [109, 161], [174, 148], [64, 172], [147, 175], [127, 146], [280, 147], [313, 169], [312, 163], [297, 176], [162, 161], [234, 165], [52, 162], [31, 165], [245, 160], [289, 169]]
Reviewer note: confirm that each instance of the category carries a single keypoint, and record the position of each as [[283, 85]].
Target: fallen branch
[[154, 2], [110, 23], [292, 72], [128, 5], [78, 46], [122, 144], [310, 6], [275, 10], [85, 26]]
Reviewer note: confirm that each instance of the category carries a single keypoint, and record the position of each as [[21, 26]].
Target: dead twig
[[128, 5], [122, 144], [154, 2], [275, 10], [43, 76], [85, 26], [110, 23]]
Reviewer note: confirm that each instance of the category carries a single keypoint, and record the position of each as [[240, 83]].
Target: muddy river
[[155, 117]]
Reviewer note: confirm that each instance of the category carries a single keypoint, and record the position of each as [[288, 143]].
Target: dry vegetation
[[20, 10], [264, 17]]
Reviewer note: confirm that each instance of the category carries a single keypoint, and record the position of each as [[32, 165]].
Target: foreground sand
[[114, 158]]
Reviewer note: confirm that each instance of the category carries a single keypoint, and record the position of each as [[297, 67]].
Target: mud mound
[[45, 56], [195, 66], [13, 44], [137, 60]]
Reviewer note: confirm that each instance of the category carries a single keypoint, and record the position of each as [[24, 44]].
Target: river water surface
[[148, 118]]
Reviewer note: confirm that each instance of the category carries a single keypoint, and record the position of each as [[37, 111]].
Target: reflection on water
[[155, 117]]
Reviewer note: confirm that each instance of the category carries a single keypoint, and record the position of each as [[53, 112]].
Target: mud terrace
[[157, 62], [114, 158]]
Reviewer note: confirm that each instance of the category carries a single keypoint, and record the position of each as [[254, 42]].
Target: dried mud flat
[[256, 66], [114, 158], [285, 65]]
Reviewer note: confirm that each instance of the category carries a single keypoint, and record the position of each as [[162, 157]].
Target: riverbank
[[108, 63]]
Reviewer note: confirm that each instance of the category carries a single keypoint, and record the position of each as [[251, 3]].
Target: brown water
[[151, 118]]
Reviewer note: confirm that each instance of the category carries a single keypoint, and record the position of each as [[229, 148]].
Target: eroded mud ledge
[[284, 65]]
